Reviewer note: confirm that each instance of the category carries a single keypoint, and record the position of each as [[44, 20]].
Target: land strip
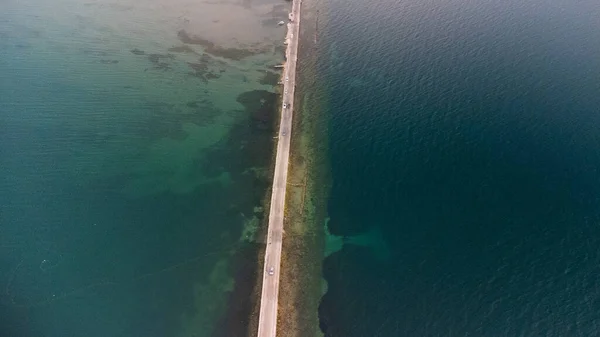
[[267, 324]]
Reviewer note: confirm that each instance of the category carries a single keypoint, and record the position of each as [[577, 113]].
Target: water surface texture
[[135, 137], [465, 147]]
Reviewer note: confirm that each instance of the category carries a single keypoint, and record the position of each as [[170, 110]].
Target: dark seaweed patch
[[165, 120], [279, 49], [250, 142], [261, 106], [182, 49], [211, 75], [270, 78], [245, 147], [256, 100], [157, 61], [109, 61], [210, 47], [202, 69], [199, 67], [137, 52], [236, 321]]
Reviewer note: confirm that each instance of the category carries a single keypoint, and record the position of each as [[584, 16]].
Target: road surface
[[267, 324]]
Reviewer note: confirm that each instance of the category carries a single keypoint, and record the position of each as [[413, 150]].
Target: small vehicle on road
[[271, 271]]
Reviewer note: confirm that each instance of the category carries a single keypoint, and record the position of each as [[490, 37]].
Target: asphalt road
[[267, 325]]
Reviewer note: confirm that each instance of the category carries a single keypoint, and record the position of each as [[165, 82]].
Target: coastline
[[301, 284], [308, 188], [268, 312]]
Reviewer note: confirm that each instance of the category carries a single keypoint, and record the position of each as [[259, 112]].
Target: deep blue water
[[467, 134]]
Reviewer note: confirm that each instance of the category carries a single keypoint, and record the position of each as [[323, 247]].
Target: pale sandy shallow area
[[227, 23], [93, 44], [111, 29], [122, 53]]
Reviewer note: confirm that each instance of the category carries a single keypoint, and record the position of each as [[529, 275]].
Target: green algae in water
[[126, 175]]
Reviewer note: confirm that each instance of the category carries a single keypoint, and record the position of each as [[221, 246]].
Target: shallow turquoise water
[[464, 145], [132, 164]]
